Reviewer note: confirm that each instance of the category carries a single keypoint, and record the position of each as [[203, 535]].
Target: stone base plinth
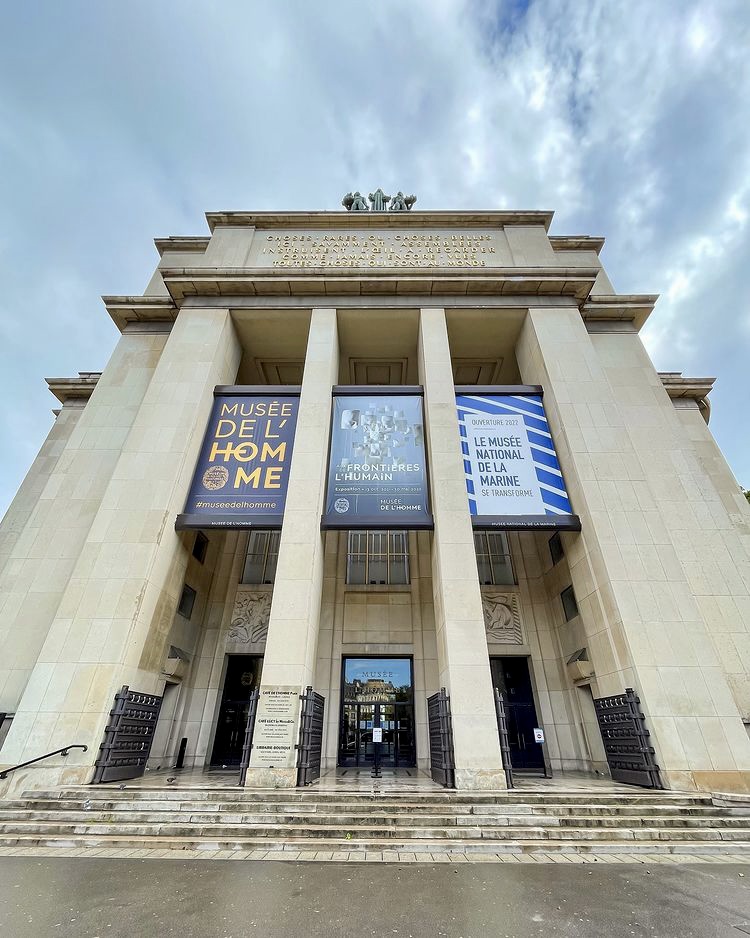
[[711, 781], [271, 778], [44, 777], [480, 779]]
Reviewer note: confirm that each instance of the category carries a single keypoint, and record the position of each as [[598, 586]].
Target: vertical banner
[[513, 477], [241, 477], [377, 472]]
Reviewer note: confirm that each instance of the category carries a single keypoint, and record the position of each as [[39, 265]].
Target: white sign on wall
[[513, 477]]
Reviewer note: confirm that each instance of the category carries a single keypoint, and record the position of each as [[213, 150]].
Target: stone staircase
[[319, 820]]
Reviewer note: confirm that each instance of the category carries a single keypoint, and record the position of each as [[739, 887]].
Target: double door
[[512, 678], [241, 678], [396, 720]]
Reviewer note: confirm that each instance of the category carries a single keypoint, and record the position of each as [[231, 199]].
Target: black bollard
[[376, 761], [181, 754]]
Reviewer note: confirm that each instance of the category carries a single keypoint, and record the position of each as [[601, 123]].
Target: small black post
[[181, 753], [376, 761], [377, 735]]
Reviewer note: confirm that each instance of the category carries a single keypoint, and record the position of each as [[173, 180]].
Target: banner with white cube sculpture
[[377, 468]]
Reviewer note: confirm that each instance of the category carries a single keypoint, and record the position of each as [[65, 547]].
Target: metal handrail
[[62, 752]]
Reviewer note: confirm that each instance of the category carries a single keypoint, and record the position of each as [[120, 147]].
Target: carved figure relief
[[502, 617], [250, 615]]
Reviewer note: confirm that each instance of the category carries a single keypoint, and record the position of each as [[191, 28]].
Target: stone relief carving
[[250, 615], [502, 617]]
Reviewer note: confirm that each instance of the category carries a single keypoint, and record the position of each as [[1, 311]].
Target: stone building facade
[[99, 590]]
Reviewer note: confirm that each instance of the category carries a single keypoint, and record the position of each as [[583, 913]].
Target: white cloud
[[627, 119]]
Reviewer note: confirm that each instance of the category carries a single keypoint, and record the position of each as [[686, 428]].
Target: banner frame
[[517, 389], [526, 523], [249, 390]]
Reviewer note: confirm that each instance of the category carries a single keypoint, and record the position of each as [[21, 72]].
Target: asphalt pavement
[[110, 898]]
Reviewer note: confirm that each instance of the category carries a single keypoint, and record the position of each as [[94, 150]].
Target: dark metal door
[[127, 737], [310, 737], [626, 740], [442, 764], [502, 729], [252, 709], [511, 676], [242, 678]]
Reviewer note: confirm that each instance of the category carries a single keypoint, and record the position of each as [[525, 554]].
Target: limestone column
[[289, 660], [26, 498], [459, 621], [43, 556], [112, 624], [720, 567], [644, 537]]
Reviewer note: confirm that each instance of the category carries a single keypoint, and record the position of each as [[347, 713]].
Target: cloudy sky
[[122, 122]]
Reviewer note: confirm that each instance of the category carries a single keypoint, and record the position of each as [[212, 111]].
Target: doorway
[[591, 733], [161, 745], [241, 678], [377, 693], [512, 678]]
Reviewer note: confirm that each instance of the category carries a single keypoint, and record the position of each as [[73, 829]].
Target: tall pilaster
[[720, 567], [44, 554], [112, 624], [289, 659], [621, 446], [459, 621], [26, 498]]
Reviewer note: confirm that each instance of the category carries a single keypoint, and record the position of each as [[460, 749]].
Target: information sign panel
[[275, 732]]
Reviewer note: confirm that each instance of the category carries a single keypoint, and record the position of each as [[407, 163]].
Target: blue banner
[[377, 471], [242, 473], [513, 477]]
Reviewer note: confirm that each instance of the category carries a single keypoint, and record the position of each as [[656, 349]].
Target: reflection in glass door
[[377, 692]]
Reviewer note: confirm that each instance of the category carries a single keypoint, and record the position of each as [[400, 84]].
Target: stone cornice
[[125, 309], [413, 219], [181, 244], [689, 389], [635, 308], [563, 243], [575, 282], [678, 386], [74, 389], [186, 283]]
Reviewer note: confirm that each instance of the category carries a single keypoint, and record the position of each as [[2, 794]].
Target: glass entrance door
[[377, 692]]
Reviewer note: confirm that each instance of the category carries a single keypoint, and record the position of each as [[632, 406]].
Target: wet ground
[[109, 898]]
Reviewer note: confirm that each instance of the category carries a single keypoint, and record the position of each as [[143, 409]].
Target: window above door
[[377, 558]]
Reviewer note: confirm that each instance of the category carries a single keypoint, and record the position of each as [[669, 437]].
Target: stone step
[[376, 818], [445, 847], [293, 832], [309, 809], [319, 796]]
